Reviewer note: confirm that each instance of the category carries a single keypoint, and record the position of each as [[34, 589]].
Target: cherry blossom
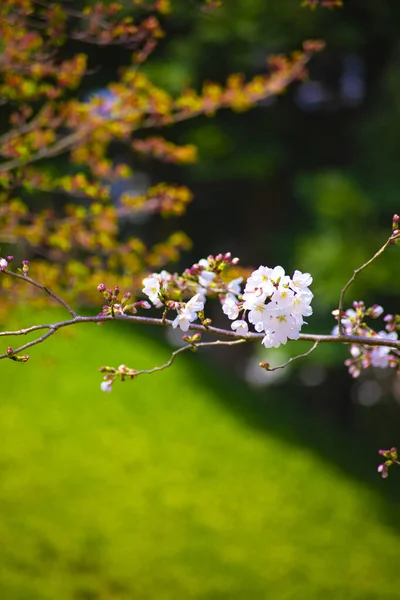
[[241, 327], [106, 386], [187, 313]]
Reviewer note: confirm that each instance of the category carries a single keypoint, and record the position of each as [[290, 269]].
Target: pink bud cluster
[[119, 306], [353, 323], [391, 457]]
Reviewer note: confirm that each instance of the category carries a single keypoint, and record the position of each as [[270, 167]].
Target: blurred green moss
[[158, 490]]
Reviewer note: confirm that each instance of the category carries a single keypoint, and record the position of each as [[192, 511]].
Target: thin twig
[[192, 347], [44, 288], [42, 338], [352, 278], [294, 358]]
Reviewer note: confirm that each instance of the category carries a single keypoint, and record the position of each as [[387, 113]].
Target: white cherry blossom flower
[[234, 286], [205, 278], [301, 303], [241, 327], [282, 326], [195, 304], [182, 321], [259, 284], [230, 307], [153, 284], [301, 281], [260, 315], [203, 262], [152, 287], [283, 296], [106, 386], [187, 313], [278, 276]]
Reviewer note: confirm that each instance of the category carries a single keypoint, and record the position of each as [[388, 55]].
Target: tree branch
[[214, 331], [44, 288]]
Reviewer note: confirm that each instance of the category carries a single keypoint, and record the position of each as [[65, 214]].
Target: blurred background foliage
[[190, 484], [308, 179]]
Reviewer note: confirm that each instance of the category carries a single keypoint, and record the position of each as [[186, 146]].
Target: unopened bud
[[101, 288], [21, 358], [192, 339], [264, 365], [395, 239], [375, 311], [143, 304], [107, 370], [395, 222]]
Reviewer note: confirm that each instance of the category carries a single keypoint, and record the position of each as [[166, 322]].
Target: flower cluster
[[202, 279], [362, 357], [274, 304]]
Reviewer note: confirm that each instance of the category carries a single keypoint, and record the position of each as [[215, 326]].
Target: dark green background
[[190, 484]]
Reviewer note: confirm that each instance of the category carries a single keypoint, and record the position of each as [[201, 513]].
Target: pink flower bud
[[143, 304], [374, 311], [101, 288], [264, 365]]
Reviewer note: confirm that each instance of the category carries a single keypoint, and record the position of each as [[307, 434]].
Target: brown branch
[[214, 331], [192, 347], [45, 289]]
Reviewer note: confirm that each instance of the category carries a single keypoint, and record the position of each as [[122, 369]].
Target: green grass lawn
[[159, 491]]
